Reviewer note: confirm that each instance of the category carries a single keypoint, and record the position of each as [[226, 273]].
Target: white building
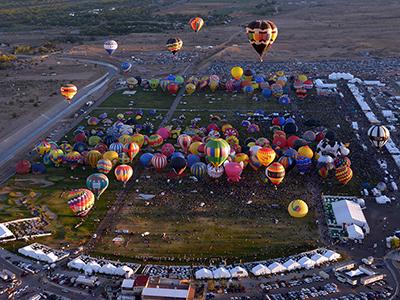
[[260, 269], [348, 213]]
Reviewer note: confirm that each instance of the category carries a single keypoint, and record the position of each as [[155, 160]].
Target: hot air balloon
[[110, 46], [184, 142], [233, 170], [323, 172], [344, 174], [192, 159], [93, 157], [159, 161], [126, 67], [42, 147], [275, 172], [155, 140], [303, 164], [124, 159], [190, 88], [217, 151], [378, 135], [145, 159], [117, 147], [173, 88], [266, 156], [56, 156], [298, 208], [178, 165], [104, 166], [287, 162], [138, 139], [111, 156], [261, 35], [23, 167], [80, 201], [198, 170], [154, 83], [68, 91], [194, 148], [196, 23], [242, 157], [73, 158], [214, 172], [306, 151], [237, 72], [167, 149], [97, 183], [131, 82], [123, 173], [131, 149], [174, 45]]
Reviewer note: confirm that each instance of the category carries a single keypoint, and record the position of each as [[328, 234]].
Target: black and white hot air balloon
[[378, 135]]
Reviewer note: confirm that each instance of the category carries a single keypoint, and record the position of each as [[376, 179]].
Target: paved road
[[23, 139], [389, 260]]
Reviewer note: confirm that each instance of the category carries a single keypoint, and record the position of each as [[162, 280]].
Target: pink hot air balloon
[[167, 149], [233, 171], [159, 161], [164, 133], [184, 142]]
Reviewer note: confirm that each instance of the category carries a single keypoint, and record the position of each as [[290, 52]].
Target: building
[[140, 282], [349, 213], [127, 292], [345, 266], [157, 289], [371, 279]]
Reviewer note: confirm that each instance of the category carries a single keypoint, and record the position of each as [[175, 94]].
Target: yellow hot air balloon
[[93, 157], [125, 139], [298, 208], [68, 91], [138, 139], [237, 72], [194, 147], [111, 156], [306, 151], [302, 77], [242, 157], [190, 88]]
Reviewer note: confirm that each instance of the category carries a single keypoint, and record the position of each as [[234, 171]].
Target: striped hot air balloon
[[80, 201], [104, 166], [73, 158], [93, 157], [159, 161], [97, 183], [132, 149], [217, 151], [303, 164], [198, 170], [344, 174], [287, 162], [174, 45], [123, 173], [266, 156], [378, 135], [196, 23], [117, 147], [184, 142], [275, 172]]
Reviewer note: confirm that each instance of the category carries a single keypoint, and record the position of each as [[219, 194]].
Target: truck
[[11, 275]]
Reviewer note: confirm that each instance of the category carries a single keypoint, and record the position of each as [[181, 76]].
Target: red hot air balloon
[[123, 173], [173, 88], [184, 142], [132, 149], [233, 171], [344, 174], [23, 167], [159, 161], [196, 23], [266, 156], [167, 149]]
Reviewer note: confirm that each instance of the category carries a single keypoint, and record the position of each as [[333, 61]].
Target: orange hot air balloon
[[266, 156], [275, 173], [68, 91], [123, 173], [344, 174], [196, 23], [93, 157], [131, 149]]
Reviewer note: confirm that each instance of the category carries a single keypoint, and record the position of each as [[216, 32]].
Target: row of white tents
[[94, 267], [276, 267], [41, 253]]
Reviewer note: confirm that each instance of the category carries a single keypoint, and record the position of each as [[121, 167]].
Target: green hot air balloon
[[97, 183], [217, 151]]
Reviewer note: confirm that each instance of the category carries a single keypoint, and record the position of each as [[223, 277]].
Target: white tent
[[124, 271], [291, 265], [52, 257], [221, 273], [348, 212], [354, 273], [77, 263], [306, 263], [5, 232], [39, 255], [319, 259], [355, 232], [27, 251], [260, 269], [276, 267], [332, 255], [204, 274], [93, 266], [238, 271], [108, 269]]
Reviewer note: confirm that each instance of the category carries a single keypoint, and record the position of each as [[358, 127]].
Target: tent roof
[[260, 269], [355, 232], [203, 273], [291, 264], [318, 258], [5, 232], [332, 255], [221, 273], [348, 212], [276, 267], [239, 272]]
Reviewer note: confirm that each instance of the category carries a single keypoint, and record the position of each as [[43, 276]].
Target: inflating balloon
[[298, 209], [97, 183], [159, 161], [275, 172], [80, 201], [198, 170], [178, 165], [217, 151], [266, 156], [174, 45]]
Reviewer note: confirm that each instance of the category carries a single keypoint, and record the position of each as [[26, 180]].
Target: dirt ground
[[31, 88]]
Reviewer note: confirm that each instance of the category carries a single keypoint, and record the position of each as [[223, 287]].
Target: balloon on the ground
[[214, 172], [126, 67], [275, 172], [111, 156], [344, 174], [123, 173], [178, 165], [378, 135], [298, 208], [23, 167], [80, 201], [217, 151], [104, 165], [159, 161], [155, 140], [145, 159], [237, 72], [198, 170], [174, 45], [42, 147], [184, 142], [303, 164], [192, 159], [266, 156], [93, 157], [97, 183], [56, 156], [233, 170]]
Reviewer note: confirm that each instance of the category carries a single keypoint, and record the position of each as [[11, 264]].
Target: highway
[[22, 140]]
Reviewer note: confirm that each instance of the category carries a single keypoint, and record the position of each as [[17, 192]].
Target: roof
[[127, 283], [5, 232], [141, 280], [348, 212], [260, 269], [166, 293], [355, 232]]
